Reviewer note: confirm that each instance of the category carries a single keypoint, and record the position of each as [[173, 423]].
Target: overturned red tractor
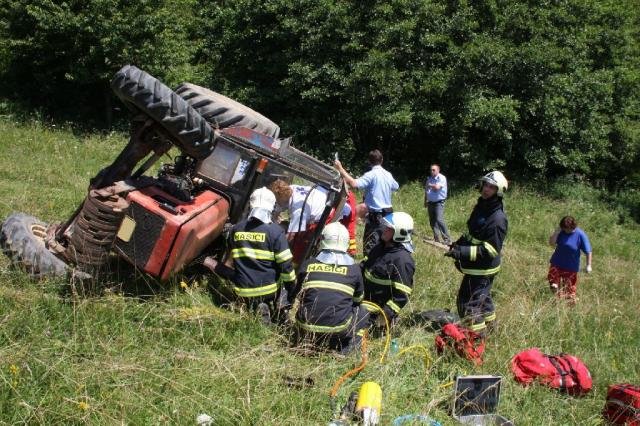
[[161, 224]]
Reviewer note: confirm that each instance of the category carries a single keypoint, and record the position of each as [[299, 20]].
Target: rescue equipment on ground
[[353, 371], [373, 307], [369, 405], [414, 419], [419, 348], [347, 413], [623, 405], [564, 372], [465, 342], [475, 401]]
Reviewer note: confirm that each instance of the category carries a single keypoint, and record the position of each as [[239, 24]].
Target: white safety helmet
[[335, 237], [497, 179], [262, 203], [262, 198], [402, 225]]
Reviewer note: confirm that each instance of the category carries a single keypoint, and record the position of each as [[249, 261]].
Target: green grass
[[118, 359]]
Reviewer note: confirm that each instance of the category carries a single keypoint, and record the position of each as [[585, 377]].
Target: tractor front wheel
[[22, 239]]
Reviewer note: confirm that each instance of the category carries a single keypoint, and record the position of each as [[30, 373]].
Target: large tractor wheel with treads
[[22, 239], [142, 92], [223, 112]]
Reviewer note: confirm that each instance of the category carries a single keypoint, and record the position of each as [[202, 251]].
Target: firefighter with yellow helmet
[[477, 254]]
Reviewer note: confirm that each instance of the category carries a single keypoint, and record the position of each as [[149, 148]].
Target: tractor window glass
[[224, 165]]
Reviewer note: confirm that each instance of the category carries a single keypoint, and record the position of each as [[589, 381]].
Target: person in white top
[[305, 205]]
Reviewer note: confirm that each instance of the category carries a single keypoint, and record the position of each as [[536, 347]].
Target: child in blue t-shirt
[[569, 241]]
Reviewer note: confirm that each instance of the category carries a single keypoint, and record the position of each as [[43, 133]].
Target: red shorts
[[300, 242], [565, 282]]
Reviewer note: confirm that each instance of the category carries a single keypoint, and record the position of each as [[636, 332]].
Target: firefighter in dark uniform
[[477, 254], [261, 257], [389, 268], [330, 290]]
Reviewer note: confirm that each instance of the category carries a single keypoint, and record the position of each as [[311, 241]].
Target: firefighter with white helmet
[[389, 269], [477, 254], [330, 289], [496, 179], [261, 257]]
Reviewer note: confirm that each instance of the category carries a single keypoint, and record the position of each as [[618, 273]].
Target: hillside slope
[[169, 354]]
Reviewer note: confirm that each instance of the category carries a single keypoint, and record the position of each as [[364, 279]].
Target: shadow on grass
[[122, 278]]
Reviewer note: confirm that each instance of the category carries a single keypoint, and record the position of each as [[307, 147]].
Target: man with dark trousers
[[435, 195], [477, 254], [261, 257], [330, 288], [378, 185], [389, 268]]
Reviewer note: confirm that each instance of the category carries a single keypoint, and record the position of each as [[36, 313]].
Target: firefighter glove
[[454, 253]]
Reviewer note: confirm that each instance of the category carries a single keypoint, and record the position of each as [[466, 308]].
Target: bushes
[[537, 90], [60, 56]]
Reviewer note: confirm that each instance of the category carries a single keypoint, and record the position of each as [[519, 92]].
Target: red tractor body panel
[[161, 234]]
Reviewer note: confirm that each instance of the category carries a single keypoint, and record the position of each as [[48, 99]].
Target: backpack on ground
[[466, 343], [623, 405], [564, 372]]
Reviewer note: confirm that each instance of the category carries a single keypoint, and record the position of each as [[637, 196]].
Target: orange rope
[[353, 371]]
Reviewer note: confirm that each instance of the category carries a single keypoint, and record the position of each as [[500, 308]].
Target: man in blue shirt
[[378, 185], [435, 193]]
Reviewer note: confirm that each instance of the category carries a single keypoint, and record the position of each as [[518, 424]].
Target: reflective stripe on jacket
[[480, 248], [328, 294], [261, 258], [388, 275]]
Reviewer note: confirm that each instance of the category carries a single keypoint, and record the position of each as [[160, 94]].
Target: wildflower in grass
[[83, 406], [184, 285], [14, 370]]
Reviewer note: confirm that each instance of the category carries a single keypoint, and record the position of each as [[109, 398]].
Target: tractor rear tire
[[22, 239], [223, 112], [188, 130]]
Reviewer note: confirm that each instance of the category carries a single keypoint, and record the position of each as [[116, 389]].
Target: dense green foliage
[[536, 88], [60, 56], [164, 358]]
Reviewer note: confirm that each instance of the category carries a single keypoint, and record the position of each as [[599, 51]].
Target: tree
[[63, 54], [535, 89]]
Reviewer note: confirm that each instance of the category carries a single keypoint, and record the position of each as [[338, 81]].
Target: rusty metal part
[[95, 227]]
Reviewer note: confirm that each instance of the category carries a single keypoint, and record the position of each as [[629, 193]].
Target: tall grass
[[118, 359]]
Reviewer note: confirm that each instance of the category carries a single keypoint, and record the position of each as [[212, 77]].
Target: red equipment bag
[[467, 343], [623, 405], [563, 372]]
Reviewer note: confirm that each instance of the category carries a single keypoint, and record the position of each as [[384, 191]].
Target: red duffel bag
[[563, 372], [623, 405]]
